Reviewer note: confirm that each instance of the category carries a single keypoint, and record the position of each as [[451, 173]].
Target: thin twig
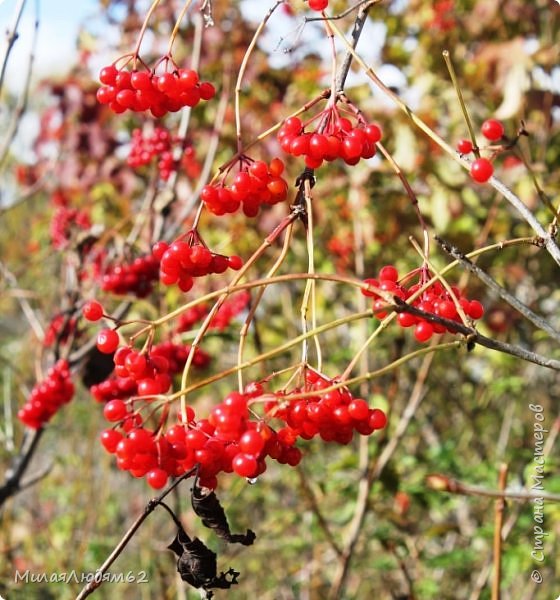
[[150, 507], [548, 240], [11, 38], [491, 283], [12, 483], [498, 525], [442, 483]]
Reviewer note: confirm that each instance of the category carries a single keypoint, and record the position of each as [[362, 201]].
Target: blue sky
[[59, 21]]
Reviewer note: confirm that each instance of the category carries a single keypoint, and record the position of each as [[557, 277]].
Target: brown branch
[[491, 283], [443, 483], [11, 38], [12, 483], [477, 338], [498, 525], [148, 510]]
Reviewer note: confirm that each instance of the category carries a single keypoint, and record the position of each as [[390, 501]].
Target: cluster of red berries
[[334, 415], [318, 5], [231, 441], [434, 300], [159, 145], [60, 328], [189, 257], [64, 222], [482, 168], [223, 317], [228, 441], [342, 249], [443, 16], [145, 90], [47, 396], [132, 368], [255, 184], [335, 137], [136, 278]]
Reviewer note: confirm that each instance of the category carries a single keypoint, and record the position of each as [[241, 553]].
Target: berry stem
[[266, 355], [455, 82], [309, 299], [325, 94], [242, 69], [143, 31], [269, 240], [378, 372], [442, 280], [175, 31], [410, 193], [255, 303]]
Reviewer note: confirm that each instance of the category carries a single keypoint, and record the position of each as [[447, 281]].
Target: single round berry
[[110, 439], [115, 410], [251, 442], [388, 272], [423, 331], [107, 341], [92, 310], [318, 5], [244, 465], [157, 478], [493, 130], [481, 170], [475, 309], [464, 146]]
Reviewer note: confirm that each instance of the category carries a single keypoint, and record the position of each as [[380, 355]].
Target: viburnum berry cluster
[[334, 137], [47, 396], [141, 90], [64, 221], [233, 438], [482, 168], [132, 367], [159, 145], [189, 257], [231, 307], [60, 328], [435, 300], [334, 416], [136, 277], [255, 184]]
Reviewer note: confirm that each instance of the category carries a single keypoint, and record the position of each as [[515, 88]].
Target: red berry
[[423, 331], [107, 341], [389, 272], [475, 309], [107, 75], [251, 442], [110, 438], [318, 5], [235, 262], [157, 478], [358, 409], [373, 133], [464, 146], [245, 465], [377, 419], [92, 310], [492, 130], [481, 170], [115, 410]]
